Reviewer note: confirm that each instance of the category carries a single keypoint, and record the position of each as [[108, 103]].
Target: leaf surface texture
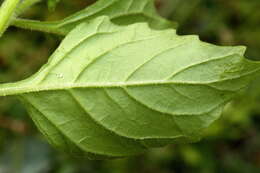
[[114, 91]]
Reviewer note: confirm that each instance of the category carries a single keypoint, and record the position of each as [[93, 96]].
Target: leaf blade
[[141, 85]]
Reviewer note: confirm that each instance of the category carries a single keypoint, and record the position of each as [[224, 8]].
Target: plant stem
[[6, 13], [49, 27]]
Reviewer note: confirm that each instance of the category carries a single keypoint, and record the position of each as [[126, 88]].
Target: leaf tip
[[241, 50]]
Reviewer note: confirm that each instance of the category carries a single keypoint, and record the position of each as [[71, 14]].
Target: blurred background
[[230, 145]]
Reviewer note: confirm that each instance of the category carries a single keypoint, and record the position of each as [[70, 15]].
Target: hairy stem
[[6, 13], [49, 27]]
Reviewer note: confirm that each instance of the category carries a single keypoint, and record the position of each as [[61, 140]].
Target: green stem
[[6, 13], [49, 27]]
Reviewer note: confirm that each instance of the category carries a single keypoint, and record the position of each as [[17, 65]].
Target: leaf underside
[[114, 91], [121, 12]]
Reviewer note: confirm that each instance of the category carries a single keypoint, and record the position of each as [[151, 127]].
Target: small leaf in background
[[120, 12], [113, 91], [52, 4]]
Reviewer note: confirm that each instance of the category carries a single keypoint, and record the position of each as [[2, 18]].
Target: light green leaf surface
[[114, 91], [121, 12]]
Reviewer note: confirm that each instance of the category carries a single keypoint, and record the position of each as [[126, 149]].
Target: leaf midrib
[[13, 89]]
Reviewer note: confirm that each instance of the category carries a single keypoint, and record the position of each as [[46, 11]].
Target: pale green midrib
[[13, 89]]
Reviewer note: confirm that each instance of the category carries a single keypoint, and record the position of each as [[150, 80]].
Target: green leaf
[[121, 12], [114, 91]]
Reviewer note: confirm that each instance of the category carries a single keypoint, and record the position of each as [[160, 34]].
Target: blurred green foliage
[[232, 144]]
